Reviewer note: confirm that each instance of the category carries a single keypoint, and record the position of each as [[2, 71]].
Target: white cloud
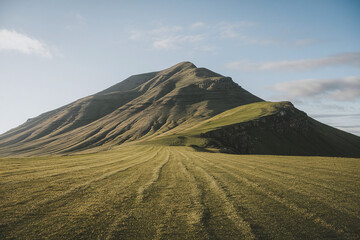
[[165, 30], [340, 89], [197, 25], [14, 41], [136, 35], [174, 42], [350, 59], [78, 20], [232, 29], [207, 48], [173, 37], [169, 38]]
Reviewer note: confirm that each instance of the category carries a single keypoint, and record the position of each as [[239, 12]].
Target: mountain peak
[[185, 64], [182, 66]]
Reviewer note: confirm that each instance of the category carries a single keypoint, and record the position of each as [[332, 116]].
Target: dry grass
[[155, 192]]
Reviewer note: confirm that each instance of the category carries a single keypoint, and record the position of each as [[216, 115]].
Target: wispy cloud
[[196, 35], [346, 121], [77, 20], [199, 34], [197, 25], [340, 89], [170, 37], [174, 42], [166, 30], [336, 115], [11, 40], [232, 29], [136, 35], [350, 59]]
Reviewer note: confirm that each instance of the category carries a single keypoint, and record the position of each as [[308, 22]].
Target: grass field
[[156, 192]]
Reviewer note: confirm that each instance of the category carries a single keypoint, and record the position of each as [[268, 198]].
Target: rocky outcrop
[[289, 131], [243, 137]]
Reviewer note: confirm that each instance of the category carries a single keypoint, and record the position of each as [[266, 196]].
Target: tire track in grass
[[352, 217], [228, 207], [197, 218], [76, 167], [34, 193], [146, 206], [303, 178], [133, 203], [305, 192], [169, 208], [69, 160], [292, 206], [146, 190], [87, 216], [39, 164], [33, 198], [142, 191], [121, 203], [93, 212], [178, 203], [305, 168], [80, 187]]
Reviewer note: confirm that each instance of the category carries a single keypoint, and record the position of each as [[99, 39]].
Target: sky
[[306, 52]]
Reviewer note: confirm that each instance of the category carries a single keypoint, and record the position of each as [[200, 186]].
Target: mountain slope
[[267, 128], [141, 105], [181, 105]]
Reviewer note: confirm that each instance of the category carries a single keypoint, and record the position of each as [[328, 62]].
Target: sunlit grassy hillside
[[276, 128], [159, 192]]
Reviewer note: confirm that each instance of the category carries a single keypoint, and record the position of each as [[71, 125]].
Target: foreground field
[[153, 192]]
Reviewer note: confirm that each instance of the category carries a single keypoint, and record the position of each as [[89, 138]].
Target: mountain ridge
[[133, 108], [270, 128], [181, 105]]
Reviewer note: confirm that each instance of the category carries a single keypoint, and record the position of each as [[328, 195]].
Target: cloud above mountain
[[347, 59], [340, 89], [205, 36], [11, 40]]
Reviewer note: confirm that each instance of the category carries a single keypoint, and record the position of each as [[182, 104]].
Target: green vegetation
[[179, 106], [138, 107], [240, 114], [236, 115], [276, 128], [157, 192], [143, 163]]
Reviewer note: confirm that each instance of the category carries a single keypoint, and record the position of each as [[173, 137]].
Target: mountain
[[181, 105], [139, 106], [275, 128]]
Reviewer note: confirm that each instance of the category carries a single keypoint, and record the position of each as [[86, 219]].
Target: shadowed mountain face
[[271, 128], [141, 106], [181, 105]]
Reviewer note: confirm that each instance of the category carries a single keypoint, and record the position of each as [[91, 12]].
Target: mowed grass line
[[307, 185], [114, 229], [156, 192], [58, 166], [33, 187], [53, 206], [168, 206], [212, 188], [314, 188], [238, 174]]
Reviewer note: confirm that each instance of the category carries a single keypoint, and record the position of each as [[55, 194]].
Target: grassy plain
[[158, 192]]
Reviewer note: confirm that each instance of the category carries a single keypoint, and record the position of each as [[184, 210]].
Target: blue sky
[[308, 52]]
